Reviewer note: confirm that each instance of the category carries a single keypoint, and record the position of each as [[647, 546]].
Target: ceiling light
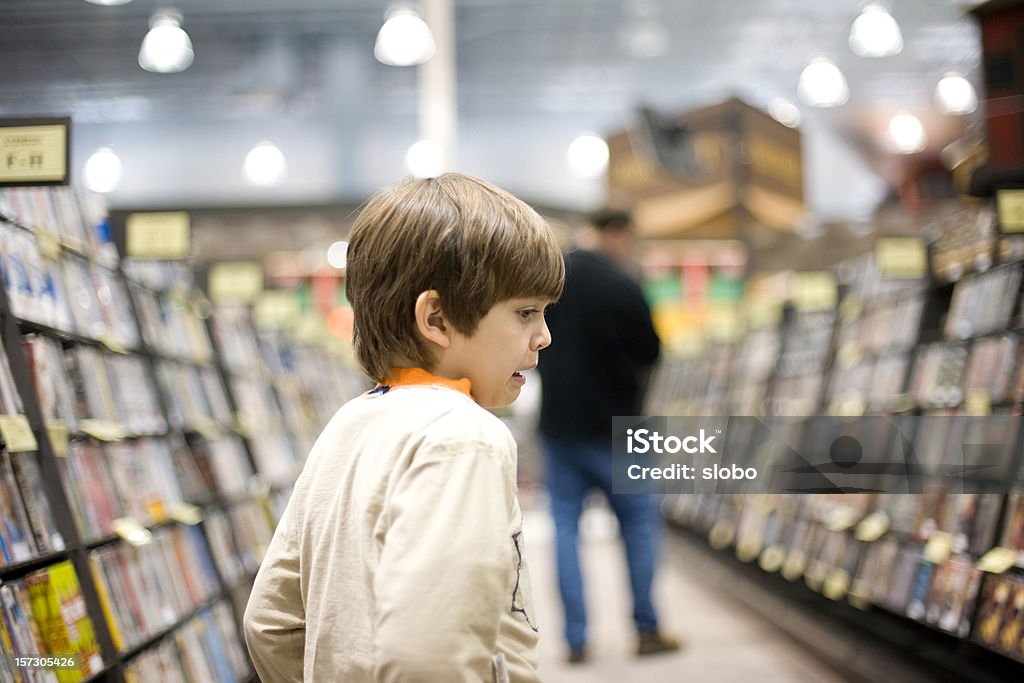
[[109, 2], [588, 155], [166, 48], [337, 255], [784, 111], [425, 159], [404, 39], [822, 84], [103, 171], [264, 165], [955, 95], [875, 33], [906, 134]]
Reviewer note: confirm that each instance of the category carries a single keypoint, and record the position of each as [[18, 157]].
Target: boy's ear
[[430, 319]]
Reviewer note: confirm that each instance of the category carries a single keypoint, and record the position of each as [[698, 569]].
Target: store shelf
[[870, 646]]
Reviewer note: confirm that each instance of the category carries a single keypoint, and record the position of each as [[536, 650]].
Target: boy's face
[[505, 344]]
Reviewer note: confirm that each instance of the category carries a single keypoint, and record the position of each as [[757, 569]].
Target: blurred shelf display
[[941, 354], [145, 453]]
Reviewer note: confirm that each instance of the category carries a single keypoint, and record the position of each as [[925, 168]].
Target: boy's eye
[[526, 313]]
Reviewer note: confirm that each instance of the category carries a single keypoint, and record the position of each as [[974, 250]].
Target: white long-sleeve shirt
[[400, 555]]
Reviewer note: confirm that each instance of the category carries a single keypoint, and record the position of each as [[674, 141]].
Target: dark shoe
[[577, 655], [655, 643]]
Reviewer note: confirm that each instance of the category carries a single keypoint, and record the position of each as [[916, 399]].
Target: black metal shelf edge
[[20, 569]]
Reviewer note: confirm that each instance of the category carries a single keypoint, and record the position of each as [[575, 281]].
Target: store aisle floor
[[723, 643]]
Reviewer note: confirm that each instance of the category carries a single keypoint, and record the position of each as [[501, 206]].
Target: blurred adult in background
[[598, 367]]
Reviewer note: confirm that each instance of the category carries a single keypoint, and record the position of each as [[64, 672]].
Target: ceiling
[[531, 74]]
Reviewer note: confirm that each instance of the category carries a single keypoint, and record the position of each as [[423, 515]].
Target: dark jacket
[[602, 350]]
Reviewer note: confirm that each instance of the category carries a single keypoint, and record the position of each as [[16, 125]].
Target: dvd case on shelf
[[1013, 526], [36, 503], [51, 381], [91, 384], [90, 485], [222, 547], [163, 662], [148, 588], [1001, 614], [983, 303], [990, 367], [228, 465], [115, 309], [136, 404], [24, 632], [235, 339], [143, 475], [17, 541], [192, 470], [59, 609], [937, 379], [83, 298], [951, 598], [10, 399], [253, 530]]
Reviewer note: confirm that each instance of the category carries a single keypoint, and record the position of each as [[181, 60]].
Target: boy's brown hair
[[474, 243]]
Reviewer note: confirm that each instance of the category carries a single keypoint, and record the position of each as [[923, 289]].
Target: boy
[[400, 554]]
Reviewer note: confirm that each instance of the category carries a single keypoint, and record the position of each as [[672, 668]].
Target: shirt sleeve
[[442, 580], [636, 325], [274, 622]]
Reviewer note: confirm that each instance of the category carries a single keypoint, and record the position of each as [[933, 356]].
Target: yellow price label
[[793, 567], [902, 403], [102, 429], [59, 438], [815, 291], [276, 308], [901, 258], [48, 244], [112, 343], [998, 560], [207, 429], [34, 153], [131, 530], [772, 558], [761, 314], [842, 518], [186, 513], [17, 434], [978, 403], [722, 534], [1010, 205], [748, 549], [836, 585], [238, 282], [158, 235], [872, 527], [939, 547]]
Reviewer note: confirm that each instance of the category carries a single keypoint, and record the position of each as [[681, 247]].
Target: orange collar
[[402, 377]]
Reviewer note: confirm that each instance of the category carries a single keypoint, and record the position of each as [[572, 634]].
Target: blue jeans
[[572, 469]]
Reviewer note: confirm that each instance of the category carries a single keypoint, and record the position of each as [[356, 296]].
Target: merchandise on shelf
[[940, 363]]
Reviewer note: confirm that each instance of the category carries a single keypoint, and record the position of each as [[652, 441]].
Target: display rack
[[133, 489], [947, 347]]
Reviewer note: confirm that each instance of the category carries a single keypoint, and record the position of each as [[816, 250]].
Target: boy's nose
[[543, 338]]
